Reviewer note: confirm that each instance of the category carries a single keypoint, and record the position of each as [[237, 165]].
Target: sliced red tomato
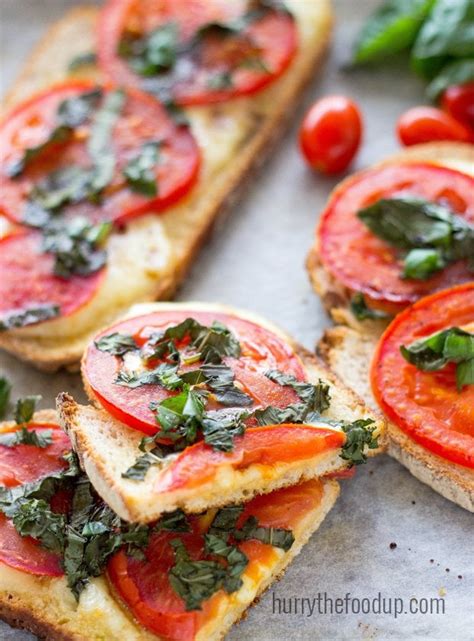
[[28, 279], [144, 585], [218, 67], [25, 464], [364, 263], [261, 351], [143, 119], [267, 446], [427, 405]]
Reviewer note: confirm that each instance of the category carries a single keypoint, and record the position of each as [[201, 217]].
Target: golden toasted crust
[[187, 230], [348, 353], [334, 295]]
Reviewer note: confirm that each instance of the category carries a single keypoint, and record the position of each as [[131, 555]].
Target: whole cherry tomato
[[426, 124], [330, 134], [458, 101]]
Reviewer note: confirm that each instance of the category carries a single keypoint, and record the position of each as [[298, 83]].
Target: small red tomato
[[330, 134], [458, 101], [426, 124]]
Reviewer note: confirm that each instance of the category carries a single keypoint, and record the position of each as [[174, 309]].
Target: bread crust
[[342, 345], [334, 295], [52, 355]]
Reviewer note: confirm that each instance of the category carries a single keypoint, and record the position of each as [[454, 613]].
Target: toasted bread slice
[[154, 254], [335, 296], [46, 607], [107, 447], [348, 352]]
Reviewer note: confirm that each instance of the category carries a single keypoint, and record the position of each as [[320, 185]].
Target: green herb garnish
[[431, 235], [28, 316], [362, 312], [140, 172], [5, 389], [359, 435], [433, 352], [116, 344], [25, 408]]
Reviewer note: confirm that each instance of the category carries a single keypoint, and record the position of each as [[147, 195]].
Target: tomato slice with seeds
[[217, 68], [267, 446], [25, 464], [28, 280], [426, 405], [364, 263], [262, 350], [142, 119], [144, 585]]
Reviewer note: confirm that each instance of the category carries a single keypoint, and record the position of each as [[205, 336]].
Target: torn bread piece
[[151, 257], [349, 352], [263, 536], [336, 296], [263, 427]]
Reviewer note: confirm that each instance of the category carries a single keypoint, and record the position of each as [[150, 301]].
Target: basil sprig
[[430, 235], [438, 34], [433, 352], [24, 410]]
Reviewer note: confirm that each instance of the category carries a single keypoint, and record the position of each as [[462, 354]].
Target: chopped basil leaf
[[220, 380], [116, 344], [359, 435], [82, 60], [392, 28], [362, 312], [99, 145], [5, 389], [28, 316], [176, 521], [35, 518], [421, 264], [76, 246], [153, 53], [220, 81], [316, 397], [58, 135], [24, 436], [414, 224], [278, 537], [140, 171], [164, 375], [155, 456], [433, 352], [221, 427], [75, 111], [25, 408]]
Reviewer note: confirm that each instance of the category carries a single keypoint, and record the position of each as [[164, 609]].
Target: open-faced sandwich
[[72, 570], [399, 237], [113, 166], [198, 405]]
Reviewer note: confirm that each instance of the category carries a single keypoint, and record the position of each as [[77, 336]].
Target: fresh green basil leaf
[[221, 427], [278, 537], [391, 29], [140, 172], [433, 352], [359, 437], [448, 32], [100, 145], [421, 264], [25, 408], [361, 310], [316, 397], [76, 246], [24, 436], [155, 456], [465, 374], [219, 378], [457, 72], [116, 344], [5, 389], [58, 135], [165, 375], [75, 111], [82, 60], [29, 316], [35, 518]]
